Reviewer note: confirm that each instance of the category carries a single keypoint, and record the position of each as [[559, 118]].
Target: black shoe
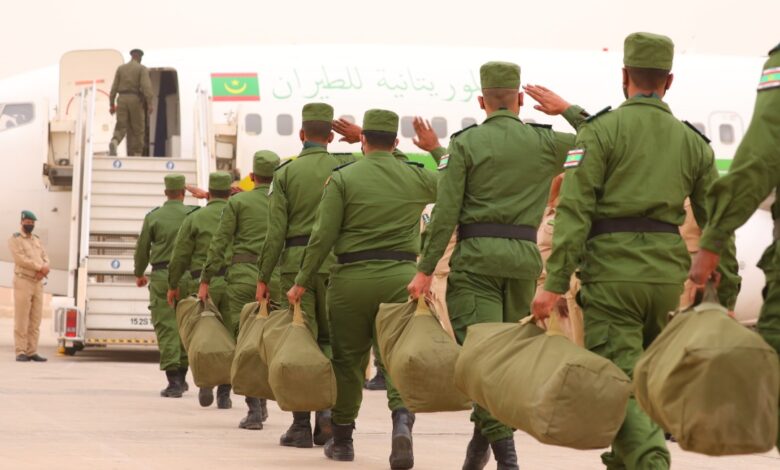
[[478, 451], [340, 447], [376, 383], [402, 455], [205, 396], [37, 358], [254, 418], [263, 409], [173, 390], [183, 379], [504, 452], [323, 430], [223, 397], [299, 433], [22, 358]]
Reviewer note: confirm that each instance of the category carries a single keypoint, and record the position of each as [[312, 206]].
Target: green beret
[[265, 163], [28, 215], [317, 112], [174, 181], [220, 180], [499, 75], [648, 50], [380, 120], [137, 51]]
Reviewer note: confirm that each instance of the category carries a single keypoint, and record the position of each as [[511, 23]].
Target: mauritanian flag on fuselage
[[235, 87]]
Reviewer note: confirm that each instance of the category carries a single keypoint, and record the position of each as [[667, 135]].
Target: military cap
[[220, 180], [137, 51], [499, 75], [265, 162], [380, 120], [174, 181], [317, 112], [648, 50], [28, 215]]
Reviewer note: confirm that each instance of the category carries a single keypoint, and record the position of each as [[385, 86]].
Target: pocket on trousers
[[597, 338]]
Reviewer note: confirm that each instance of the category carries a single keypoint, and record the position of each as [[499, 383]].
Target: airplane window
[[439, 125], [348, 118], [284, 124], [700, 127], [253, 124], [726, 132], [15, 114], [407, 128], [466, 122]]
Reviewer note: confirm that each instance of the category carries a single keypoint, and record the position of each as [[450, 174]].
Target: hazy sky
[[36, 32]]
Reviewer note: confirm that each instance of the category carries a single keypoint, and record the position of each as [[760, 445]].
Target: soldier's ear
[[396, 144], [302, 135], [625, 78], [481, 100], [520, 97], [669, 81], [330, 137]]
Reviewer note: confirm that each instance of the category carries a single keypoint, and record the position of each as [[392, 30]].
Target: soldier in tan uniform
[[134, 87], [31, 266]]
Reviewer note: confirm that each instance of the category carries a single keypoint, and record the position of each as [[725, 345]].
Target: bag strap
[[422, 307], [554, 325], [262, 311], [298, 315]]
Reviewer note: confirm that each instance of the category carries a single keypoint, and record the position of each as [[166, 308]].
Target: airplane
[[228, 102]]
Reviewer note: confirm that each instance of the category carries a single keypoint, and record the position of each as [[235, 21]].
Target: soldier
[[242, 226], [155, 246], [189, 257], [618, 220], [494, 186], [295, 195], [369, 217], [754, 173], [134, 87], [31, 266]]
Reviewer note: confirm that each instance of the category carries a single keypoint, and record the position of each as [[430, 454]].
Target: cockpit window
[[15, 114]]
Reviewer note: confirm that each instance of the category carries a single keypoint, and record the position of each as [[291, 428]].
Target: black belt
[[244, 258], [631, 225], [490, 230], [301, 240], [196, 273], [159, 266], [376, 255]]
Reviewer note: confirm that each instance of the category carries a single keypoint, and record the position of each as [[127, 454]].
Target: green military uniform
[[494, 186], [295, 197], [617, 220], [754, 173], [134, 87], [155, 246], [243, 226], [369, 217]]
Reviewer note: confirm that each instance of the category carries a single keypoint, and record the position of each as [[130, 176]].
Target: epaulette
[[602, 112], [36, 236], [342, 166], [697, 131], [152, 210], [342, 154], [193, 210], [775, 49], [540, 126], [283, 164], [417, 164], [17, 235], [463, 130]]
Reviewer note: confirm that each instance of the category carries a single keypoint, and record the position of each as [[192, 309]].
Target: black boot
[[402, 456], [183, 379], [223, 397], [504, 452], [323, 430], [339, 447], [254, 418], [205, 396], [378, 382], [263, 409], [173, 390], [478, 451], [299, 433]]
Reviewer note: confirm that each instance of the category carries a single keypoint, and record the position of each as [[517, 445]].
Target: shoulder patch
[[540, 126], [417, 164], [770, 78], [283, 164], [775, 49], [342, 166], [574, 158], [463, 130], [443, 162], [697, 131], [17, 235], [600, 113]]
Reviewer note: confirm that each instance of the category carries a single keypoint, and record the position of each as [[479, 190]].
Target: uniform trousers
[[173, 356], [130, 121], [768, 325], [28, 307]]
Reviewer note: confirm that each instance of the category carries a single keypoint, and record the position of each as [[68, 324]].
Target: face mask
[[28, 228]]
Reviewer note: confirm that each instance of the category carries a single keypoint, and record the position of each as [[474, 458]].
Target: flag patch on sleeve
[[444, 161], [271, 188], [770, 78], [574, 158]]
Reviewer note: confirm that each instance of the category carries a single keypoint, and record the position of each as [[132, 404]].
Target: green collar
[[312, 150], [308, 144], [262, 186], [173, 203], [652, 100], [217, 201], [380, 154], [503, 113]]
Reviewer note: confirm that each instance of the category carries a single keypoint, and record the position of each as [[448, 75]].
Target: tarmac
[[101, 409]]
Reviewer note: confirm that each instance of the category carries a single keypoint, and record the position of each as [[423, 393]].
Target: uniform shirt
[[497, 172], [295, 195], [372, 204], [132, 77], [755, 171], [29, 255], [158, 234], [639, 161], [193, 240], [243, 226]]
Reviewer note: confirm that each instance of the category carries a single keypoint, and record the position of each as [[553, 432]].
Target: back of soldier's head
[[380, 129], [317, 122], [500, 83], [648, 59]]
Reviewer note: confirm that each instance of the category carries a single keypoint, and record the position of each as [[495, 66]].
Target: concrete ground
[[101, 410]]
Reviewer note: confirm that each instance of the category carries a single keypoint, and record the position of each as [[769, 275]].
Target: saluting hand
[[173, 294], [426, 137], [420, 285], [295, 293], [350, 131], [197, 192], [203, 291], [543, 304], [549, 102]]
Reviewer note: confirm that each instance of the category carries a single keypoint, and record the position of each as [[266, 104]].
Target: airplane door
[[725, 132]]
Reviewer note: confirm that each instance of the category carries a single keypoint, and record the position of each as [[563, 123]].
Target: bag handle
[[554, 325], [263, 310], [298, 315], [422, 307]]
